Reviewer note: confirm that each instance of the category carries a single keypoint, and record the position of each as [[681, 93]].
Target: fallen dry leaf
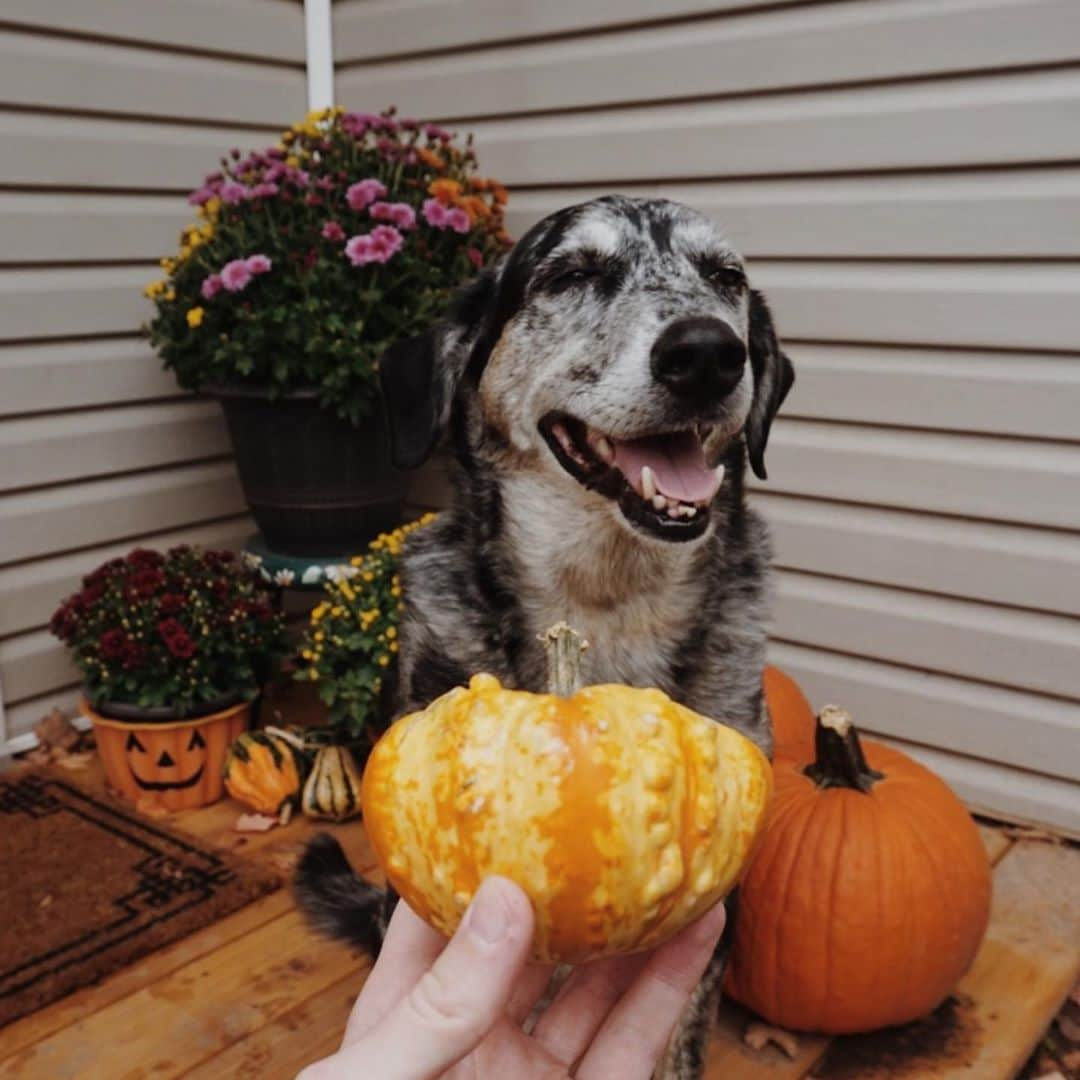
[[45, 901], [285, 860], [75, 761], [254, 823], [56, 730], [150, 808], [40, 756], [757, 1036]]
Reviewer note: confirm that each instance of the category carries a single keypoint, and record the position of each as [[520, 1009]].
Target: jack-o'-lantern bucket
[[174, 764]]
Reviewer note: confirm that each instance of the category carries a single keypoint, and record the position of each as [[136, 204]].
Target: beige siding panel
[[993, 393], [973, 475], [61, 73], [976, 214], [46, 227], [37, 378], [53, 449], [995, 306], [955, 637], [1027, 730], [32, 591], [62, 151], [55, 303], [998, 790], [764, 51], [981, 120], [39, 523], [20, 719], [998, 564], [264, 29], [32, 665], [370, 29]]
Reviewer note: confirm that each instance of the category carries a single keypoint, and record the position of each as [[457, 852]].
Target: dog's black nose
[[699, 358]]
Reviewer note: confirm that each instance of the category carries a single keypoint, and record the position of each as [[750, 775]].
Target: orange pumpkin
[[868, 895], [622, 814], [792, 717], [175, 765]]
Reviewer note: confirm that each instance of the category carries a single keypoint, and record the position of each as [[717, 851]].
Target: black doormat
[[87, 887]]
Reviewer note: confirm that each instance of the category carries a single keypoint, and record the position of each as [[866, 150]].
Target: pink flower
[[401, 214], [434, 213], [264, 190], [231, 192], [458, 220], [235, 275], [377, 246], [364, 192], [476, 257], [258, 264], [211, 286], [201, 196], [333, 231], [433, 131]]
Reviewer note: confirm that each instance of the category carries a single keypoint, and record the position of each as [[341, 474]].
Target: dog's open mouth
[[661, 482]]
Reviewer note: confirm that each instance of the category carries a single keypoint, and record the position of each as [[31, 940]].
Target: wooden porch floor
[[257, 995]]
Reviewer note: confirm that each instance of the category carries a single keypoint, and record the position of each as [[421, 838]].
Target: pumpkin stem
[[839, 760], [564, 647]]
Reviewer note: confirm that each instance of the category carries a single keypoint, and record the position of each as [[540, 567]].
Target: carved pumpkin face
[[175, 765], [183, 771]]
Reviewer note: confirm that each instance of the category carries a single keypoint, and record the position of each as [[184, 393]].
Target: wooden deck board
[[258, 995]]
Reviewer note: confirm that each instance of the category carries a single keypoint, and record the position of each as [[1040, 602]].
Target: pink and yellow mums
[[310, 257]]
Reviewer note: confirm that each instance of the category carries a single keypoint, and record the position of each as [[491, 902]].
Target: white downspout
[[318, 35]]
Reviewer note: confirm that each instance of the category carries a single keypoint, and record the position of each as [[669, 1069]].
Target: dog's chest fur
[[633, 603]]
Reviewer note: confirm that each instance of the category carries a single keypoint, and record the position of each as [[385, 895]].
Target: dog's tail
[[336, 900]]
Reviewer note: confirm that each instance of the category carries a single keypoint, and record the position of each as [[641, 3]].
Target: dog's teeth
[[604, 450], [659, 502], [673, 511], [689, 511], [648, 486], [719, 470]]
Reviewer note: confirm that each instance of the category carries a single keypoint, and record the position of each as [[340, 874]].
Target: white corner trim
[[319, 39]]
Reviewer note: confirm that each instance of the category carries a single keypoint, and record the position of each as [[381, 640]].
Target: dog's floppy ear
[[419, 376], [773, 378]]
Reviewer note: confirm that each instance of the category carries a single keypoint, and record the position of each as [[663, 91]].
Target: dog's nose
[[699, 358]]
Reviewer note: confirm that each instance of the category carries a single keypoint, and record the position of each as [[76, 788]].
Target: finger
[[460, 998], [409, 949], [581, 1006], [528, 991], [635, 1034]]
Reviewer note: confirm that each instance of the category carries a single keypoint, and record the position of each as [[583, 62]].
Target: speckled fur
[[525, 544]]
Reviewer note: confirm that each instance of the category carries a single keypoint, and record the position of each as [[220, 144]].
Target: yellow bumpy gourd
[[622, 814]]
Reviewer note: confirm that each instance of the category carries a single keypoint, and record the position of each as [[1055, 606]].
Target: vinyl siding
[[112, 112], [904, 178]]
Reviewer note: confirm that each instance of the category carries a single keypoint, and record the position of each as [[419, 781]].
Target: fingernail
[[487, 917], [711, 924]]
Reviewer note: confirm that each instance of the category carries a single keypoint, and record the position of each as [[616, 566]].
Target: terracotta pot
[[175, 764]]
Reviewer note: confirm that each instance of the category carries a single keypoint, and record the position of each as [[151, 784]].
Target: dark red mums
[[175, 628]]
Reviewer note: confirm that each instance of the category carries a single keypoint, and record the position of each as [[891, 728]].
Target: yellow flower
[[195, 317], [210, 208], [168, 265], [292, 160], [391, 633], [170, 296], [320, 636], [156, 289], [383, 660]]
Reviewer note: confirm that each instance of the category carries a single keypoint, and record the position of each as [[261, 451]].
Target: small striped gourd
[[265, 771], [622, 814], [332, 790]]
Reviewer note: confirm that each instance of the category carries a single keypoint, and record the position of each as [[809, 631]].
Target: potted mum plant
[[347, 651], [173, 648], [307, 261]]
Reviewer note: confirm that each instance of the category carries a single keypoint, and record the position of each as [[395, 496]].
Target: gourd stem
[[839, 760], [564, 647]]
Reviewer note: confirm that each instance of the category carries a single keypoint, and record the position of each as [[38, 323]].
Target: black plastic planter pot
[[315, 484]]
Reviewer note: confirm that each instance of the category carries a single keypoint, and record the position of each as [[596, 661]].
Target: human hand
[[432, 1008]]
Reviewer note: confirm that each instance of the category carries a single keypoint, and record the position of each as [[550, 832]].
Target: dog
[[603, 388]]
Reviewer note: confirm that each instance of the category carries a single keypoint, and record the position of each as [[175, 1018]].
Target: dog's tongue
[[677, 462]]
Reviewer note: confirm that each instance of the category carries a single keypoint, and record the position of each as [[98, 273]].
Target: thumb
[[453, 1006]]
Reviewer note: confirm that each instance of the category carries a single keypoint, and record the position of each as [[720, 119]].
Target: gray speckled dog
[[603, 388]]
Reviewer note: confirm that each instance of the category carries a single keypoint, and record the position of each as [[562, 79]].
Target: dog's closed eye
[[582, 268], [723, 275]]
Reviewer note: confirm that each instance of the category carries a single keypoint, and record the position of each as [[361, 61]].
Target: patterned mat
[[87, 887]]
